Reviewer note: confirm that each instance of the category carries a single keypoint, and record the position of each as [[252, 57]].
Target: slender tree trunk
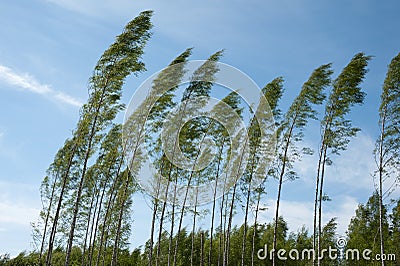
[[120, 217], [98, 218], [382, 246], [244, 238], [47, 220], [75, 215], [103, 255], [181, 219], [83, 175], [223, 222], [316, 202], [93, 230], [222, 233], [193, 232], [165, 205], [117, 236], [108, 207], [202, 249], [320, 169], [89, 218], [106, 241], [58, 210], [193, 235], [228, 231], [108, 225], [247, 211], [226, 217], [114, 259], [212, 230], [181, 59], [320, 207], [213, 207], [166, 194], [153, 220], [278, 198], [110, 201], [184, 203], [171, 233], [103, 236], [253, 242], [276, 222], [161, 224]]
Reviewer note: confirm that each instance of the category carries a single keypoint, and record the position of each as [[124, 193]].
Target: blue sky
[[48, 49]]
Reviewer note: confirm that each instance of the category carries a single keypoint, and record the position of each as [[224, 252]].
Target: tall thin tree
[[117, 62], [291, 131], [200, 85], [120, 60], [387, 151], [336, 129], [272, 92]]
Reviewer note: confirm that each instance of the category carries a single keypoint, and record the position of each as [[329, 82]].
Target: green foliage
[[87, 191], [70, 172], [264, 236], [336, 129], [394, 231], [346, 92], [387, 151], [273, 93], [363, 231], [291, 129]]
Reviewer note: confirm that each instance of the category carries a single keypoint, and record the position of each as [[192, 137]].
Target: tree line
[[363, 233], [87, 191]]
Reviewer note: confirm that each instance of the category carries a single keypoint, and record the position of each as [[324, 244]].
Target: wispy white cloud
[[349, 182], [295, 213], [300, 213], [355, 165], [24, 81], [27, 82], [15, 207], [344, 212], [195, 25], [353, 168], [19, 207], [17, 214], [346, 182], [67, 99]]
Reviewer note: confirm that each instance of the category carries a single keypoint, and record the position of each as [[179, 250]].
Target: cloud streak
[[221, 20], [300, 213], [29, 83], [17, 214], [16, 207]]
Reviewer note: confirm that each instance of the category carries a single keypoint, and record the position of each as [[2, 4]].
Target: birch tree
[[291, 131], [272, 92], [117, 62], [387, 151], [337, 129]]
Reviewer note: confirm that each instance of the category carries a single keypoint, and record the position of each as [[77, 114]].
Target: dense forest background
[[87, 191]]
